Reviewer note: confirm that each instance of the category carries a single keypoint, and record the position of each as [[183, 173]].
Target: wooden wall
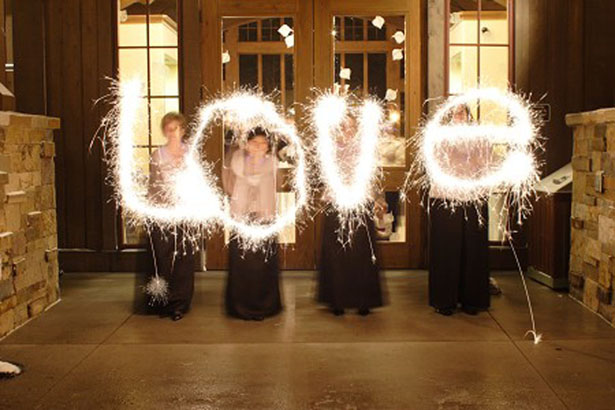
[[564, 51], [599, 54], [71, 44], [549, 63]]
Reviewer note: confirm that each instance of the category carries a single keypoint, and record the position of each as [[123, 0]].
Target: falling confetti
[[399, 37], [290, 41], [391, 95], [226, 57], [398, 54], [345, 73], [378, 21], [285, 30]]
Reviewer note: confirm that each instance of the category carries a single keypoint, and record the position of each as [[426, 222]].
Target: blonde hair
[[173, 116]]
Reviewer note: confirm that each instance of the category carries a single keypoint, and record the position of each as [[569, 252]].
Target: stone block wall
[[28, 228], [592, 251]]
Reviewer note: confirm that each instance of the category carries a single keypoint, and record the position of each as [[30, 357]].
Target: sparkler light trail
[[191, 199], [464, 163], [351, 187], [195, 200], [504, 161]]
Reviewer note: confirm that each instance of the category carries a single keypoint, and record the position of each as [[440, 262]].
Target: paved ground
[[91, 351]]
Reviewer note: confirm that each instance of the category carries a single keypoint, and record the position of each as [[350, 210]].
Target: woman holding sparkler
[[252, 290], [173, 254], [458, 242], [349, 276]]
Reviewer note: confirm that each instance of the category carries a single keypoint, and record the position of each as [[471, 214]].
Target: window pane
[[494, 27], [141, 157], [269, 29], [355, 63], [493, 73], [164, 71], [163, 23], [141, 134], [376, 34], [390, 217], [289, 80], [159, 107], [463, 22], [248, 70], [131, 25], [248, 32], [133, 64], [498, 216], [134, 235], [271, 73], [377, 74], [353, 28], [494, 67], [463, 70], [285, 201]]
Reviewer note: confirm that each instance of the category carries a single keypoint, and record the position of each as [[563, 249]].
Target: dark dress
[[252, 288], [178, 271], [348, 278], [458, 258]]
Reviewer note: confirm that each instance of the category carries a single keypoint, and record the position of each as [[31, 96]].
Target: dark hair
[[173, 116], [465, 107], [256, 132]]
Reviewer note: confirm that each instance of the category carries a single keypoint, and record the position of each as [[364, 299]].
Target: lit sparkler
[[350, 190]]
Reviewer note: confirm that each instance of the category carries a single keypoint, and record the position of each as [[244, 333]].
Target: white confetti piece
[[345, 73], [290, 41], [226, 57], [399, 37], [391, 95], [378, 21], [284, 30], [398, 54]]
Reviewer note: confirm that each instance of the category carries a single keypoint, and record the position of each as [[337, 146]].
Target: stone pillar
[[28, 229], [592, 251]]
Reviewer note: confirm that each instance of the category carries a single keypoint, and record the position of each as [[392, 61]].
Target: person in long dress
[[252, 289], [174, 256], [349, 276], [458, 239]]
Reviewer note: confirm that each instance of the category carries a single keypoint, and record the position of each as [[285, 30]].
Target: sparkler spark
[[506, 166], [350, 190]]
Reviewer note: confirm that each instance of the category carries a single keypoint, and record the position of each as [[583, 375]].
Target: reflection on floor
[[92, 351]]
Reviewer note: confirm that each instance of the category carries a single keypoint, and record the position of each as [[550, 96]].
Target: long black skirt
[[177, 270], [458, 258], [348, 277], [252, 288]]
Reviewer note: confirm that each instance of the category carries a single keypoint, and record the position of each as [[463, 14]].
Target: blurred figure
[[458, 241], [349, 278], [383, 220], [252, 290], [174, 256]]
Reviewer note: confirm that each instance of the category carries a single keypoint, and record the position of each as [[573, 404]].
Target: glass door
[[374, 48], [265, 46], [290, 46]]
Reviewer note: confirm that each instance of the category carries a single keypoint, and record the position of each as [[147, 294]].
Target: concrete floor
[[91, 351]]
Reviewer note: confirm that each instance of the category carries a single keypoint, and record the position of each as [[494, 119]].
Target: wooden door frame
[[211, 65], [412, 253]]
